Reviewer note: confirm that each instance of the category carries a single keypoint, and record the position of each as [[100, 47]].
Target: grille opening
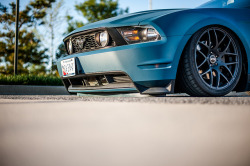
[[87, 42], [121, 79], [98, 80]]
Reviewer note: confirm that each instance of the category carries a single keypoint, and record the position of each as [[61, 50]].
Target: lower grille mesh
[[97, 81]]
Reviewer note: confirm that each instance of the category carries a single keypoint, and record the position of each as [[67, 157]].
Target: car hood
[[132, 19]]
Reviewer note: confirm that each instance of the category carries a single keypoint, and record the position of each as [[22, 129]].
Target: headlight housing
[[139, 34], [70, 47], [102, 38]]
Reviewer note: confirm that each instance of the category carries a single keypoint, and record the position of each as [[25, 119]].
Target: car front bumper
[[148, 65]]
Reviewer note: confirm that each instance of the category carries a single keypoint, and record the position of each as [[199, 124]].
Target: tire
[[211, 63]]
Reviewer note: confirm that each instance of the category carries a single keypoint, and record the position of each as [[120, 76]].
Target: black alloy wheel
[[212, 62]]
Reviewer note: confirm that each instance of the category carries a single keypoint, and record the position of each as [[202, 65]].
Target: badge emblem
[[80, 43]]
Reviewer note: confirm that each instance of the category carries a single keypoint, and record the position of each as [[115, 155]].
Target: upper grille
[[85, 42]]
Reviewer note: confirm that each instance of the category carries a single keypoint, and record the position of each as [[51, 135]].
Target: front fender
[[187, 22]]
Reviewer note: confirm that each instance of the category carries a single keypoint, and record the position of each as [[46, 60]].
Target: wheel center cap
[[213, 59]]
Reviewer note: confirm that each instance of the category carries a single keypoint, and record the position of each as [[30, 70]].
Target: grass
[[48, 80]]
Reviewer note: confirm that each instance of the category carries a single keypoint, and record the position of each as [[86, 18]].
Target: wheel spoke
[[209, 38], [202, 63], [233, 54], [205, 72], [227, 46], [228, 70], [211, 78], [218, 79], [224, 76], [231, 63], [204, 45], [216, 38], [202, 54], [222, 40]]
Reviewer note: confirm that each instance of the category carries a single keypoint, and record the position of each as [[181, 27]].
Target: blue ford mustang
[[202, 52]]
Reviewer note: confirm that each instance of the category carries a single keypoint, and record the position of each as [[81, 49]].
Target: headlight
[[70, 47], [103, 39], [139, 34]]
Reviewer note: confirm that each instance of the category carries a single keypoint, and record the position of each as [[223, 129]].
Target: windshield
[[226, 4]]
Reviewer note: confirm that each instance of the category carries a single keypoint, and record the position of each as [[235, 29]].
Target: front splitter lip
[[117, 90], [149, 87], [128, 87]]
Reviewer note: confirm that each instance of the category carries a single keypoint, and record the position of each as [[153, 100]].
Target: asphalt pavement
[[122, 130], [230, 99]]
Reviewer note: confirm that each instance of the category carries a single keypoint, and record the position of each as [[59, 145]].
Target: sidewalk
[[32, 90]]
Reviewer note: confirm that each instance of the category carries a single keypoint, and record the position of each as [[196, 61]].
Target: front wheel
[[211, 64]]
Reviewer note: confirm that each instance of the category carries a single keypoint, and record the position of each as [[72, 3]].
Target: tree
[[30, 52], [61, 50], [94, 10], [72, 24], [52, 21]]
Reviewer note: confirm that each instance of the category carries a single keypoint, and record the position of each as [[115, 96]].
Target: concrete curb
[[32, 90]]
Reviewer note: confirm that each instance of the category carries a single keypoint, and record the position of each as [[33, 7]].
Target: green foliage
[[72, 24], [94, 10], [30, 52], [37, 69], [30, 80], [32, 14], [61, 50]]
